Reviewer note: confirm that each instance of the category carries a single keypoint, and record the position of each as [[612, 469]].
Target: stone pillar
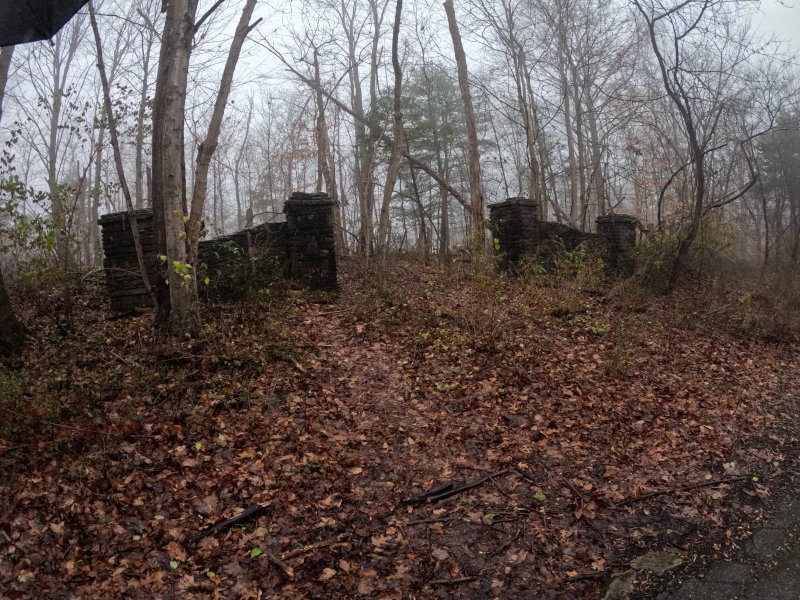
[[309, 228], [125, 286], [620, 231], [514, 228]]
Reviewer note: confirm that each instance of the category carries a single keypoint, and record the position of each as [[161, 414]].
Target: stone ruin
[[519, 234], [301, 249]]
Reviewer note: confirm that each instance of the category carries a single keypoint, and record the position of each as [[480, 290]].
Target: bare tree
[[394, 159], [169, 172], [473, 153], [704, 88], [326, 171], [112, 129], [206, 149], [51, 109], [121, 45], [237, 171], [148, 36], [506, 20]]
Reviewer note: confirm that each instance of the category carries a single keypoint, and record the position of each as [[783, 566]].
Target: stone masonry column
[[309, 228], [514, 228], [126, 289], [620, 231]]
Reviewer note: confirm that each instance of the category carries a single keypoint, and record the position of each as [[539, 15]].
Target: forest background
[[593, 419]]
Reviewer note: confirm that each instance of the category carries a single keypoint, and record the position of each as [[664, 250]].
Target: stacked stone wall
[[518, 233], [254, 257], [126, 288], [300, 249]]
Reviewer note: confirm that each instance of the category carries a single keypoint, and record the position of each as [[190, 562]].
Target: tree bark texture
[[169, 171], [473, 153], [394, 159]]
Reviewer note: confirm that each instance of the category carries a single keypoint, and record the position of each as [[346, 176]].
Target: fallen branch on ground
[[684, 488], [441, 491], [466, 487], [451, 581], [331, 543], [247, 514], [419, 499], [286, 569]]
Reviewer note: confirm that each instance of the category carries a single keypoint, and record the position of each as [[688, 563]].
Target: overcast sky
[[784, 19]]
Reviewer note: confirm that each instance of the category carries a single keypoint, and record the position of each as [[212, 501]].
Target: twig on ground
[[247, 514], [425, 521], [684, 488], [525, 475], [455, 581], [497, 485], [574, 490], [331, 543], [466, 487], [287, 570]]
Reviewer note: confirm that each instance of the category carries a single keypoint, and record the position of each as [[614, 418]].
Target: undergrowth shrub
[[237, 276], [620, 358], [559, 283], [486, 317], [580, 268], [765, 308], [655, 256], [709, 255], [12, 402]]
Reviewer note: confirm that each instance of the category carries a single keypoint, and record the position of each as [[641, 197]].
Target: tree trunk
[[573, 163], [58, 204], [362, 148], [325, 165], [597, 179], [368, 157], [209, 145], [394, 160], [525, 101], [6, 54], [219, 179], [238, 165], [97, 188], [581, 145], [473, 153], [536, 146], [123, 182], [423, 228], [11, 333], [175, 295], [140, 115]]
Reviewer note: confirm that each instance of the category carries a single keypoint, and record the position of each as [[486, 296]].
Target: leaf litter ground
[[609, 431]]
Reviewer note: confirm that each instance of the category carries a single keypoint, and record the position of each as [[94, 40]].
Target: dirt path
[[410, 440]]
